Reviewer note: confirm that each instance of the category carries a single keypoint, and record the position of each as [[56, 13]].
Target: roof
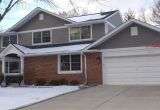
[[51, 50], [32, 14], [120, 28], [91, 17]]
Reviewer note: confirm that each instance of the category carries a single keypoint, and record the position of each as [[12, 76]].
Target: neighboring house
[[93, 49]]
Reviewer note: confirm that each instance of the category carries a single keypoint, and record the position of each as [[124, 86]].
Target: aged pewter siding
[[49, 21], [123, 39], [116, 20], [98, 31], [25, 39], [60, 35]]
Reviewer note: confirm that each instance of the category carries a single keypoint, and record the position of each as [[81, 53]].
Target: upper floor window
[[9, 39], [80, 33], [42, 37]]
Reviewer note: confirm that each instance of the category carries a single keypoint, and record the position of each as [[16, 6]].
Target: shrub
[[59, 82], [1, 78], [54, 82], [74, 82], [40, 82], [14, 79], [63, 81]]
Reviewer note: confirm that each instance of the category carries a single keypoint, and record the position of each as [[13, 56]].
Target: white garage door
[[131, 70]]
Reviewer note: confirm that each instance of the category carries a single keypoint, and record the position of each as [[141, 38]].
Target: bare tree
[[142, 15], [129, 15], [7, 5], [72, 13], [156, 12]]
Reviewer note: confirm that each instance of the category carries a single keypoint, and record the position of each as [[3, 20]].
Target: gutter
[[85, 70]]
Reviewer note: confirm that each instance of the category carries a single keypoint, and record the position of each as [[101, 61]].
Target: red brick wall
[[46, 67], [94, 68]]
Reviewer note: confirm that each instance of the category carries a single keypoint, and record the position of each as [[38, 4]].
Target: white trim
[[91, 33], [69, 72], [44, 29], [132, 51], [106, 28], [41, 38], [34, 13], [120, 28], [111, 24]]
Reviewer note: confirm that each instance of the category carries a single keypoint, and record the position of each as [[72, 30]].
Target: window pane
[[46, 37], [85, 32], [65, 63], [75, 33], [13, 39], [75, 62], [6, 67], [5, 41], [14, 67], [37, 37]]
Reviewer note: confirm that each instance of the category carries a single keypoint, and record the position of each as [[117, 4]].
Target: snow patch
[[12, 98]]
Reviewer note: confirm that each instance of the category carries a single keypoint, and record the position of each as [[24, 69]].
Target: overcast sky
[[105, 5]]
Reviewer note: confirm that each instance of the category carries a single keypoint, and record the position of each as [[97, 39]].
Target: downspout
[[85, 69]]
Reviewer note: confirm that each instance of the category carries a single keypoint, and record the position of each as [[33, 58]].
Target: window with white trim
[[9, 39], [12, 67], [42, 37], [80, 33], [70, 63]]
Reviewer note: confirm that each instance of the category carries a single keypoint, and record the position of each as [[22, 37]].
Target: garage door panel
[[132, 64], [133, 75], [132, 70]]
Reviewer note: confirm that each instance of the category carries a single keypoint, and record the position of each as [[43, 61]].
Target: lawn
[[12, 97]]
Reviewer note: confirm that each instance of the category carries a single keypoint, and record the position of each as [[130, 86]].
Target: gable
[[123, 39], [47, 22]]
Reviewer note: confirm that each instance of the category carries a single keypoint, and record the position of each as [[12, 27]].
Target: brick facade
[[46, 67], [94, 68]]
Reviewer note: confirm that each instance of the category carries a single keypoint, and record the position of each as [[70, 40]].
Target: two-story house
[[93, 49]]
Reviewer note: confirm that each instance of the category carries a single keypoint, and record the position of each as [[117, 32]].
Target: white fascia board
[[47, 54]]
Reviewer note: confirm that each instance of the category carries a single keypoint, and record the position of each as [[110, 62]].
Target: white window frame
[[69, 72], [80, 34], [9, 61], [41, 35], [9, 40]]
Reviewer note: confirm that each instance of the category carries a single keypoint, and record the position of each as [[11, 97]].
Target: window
[[70, 63], [134, 31], [42, 37], [12, 67], [80, 33], [6, 40]]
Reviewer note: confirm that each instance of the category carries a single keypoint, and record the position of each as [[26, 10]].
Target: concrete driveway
[[105, 98]]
